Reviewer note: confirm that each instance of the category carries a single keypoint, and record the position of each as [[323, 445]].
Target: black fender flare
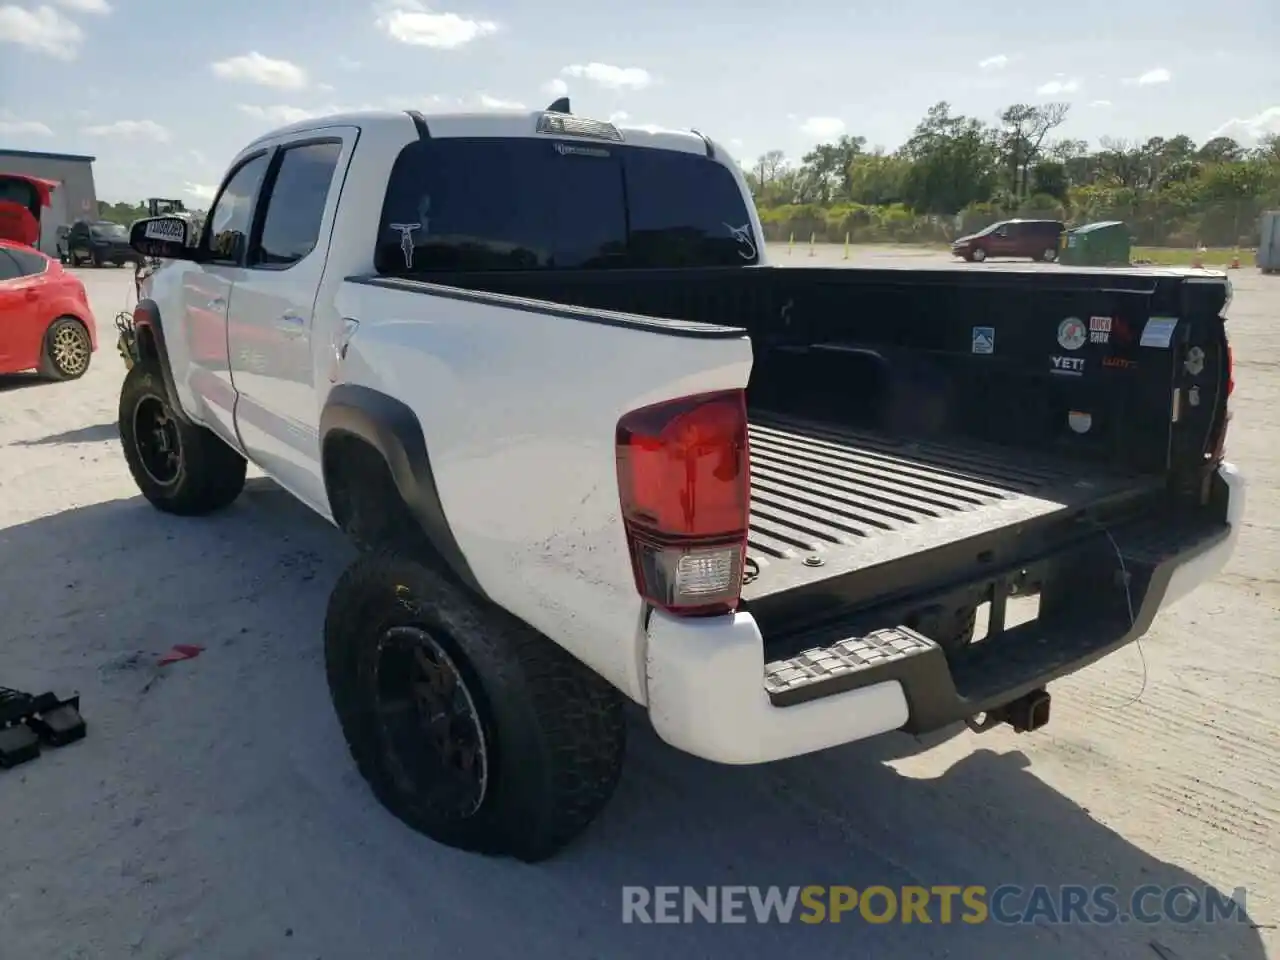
[[149, 330], [393, 429]]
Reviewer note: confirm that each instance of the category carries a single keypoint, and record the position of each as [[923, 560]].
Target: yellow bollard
[[846, 246], [812, 236]]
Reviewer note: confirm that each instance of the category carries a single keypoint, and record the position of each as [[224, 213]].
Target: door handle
[[33, 295], [291, 325], [217, 303]]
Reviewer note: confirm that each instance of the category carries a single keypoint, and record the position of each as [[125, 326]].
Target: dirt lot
[[213, 811]]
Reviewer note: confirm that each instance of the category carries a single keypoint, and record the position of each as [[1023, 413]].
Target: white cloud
[[1056, 88], [346, 63], [1247, 130], [619, 116], [497, 103], [1099, 103], [1158, 75], [325, 87], [201, 191], [85, 6], [822, 127], [43, 30], [129, 130], [555, 87], [283, 114], [410, 22], [24, 128], [253, 67], [610, 77], [430, 102], [998, 62], [279, 114]]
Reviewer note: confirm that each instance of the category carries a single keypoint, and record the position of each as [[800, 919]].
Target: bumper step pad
[[27, 721], [889, 654]]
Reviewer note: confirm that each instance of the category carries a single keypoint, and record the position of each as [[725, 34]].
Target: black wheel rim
[[430, 725], [156, 437]]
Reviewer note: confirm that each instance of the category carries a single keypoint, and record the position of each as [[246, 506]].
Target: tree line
[[956, 174]]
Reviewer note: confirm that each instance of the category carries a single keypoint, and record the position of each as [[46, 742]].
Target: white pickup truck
[[594, 449]]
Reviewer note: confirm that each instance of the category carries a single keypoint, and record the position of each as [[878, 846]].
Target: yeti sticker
[[746, 246], [406, 240], [170, 231]]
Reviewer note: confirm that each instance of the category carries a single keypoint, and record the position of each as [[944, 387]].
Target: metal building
[[75, 196]]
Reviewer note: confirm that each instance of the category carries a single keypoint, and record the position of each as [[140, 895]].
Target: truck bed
[[826, 501]]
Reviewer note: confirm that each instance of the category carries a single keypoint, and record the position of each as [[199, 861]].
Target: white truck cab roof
[[507, 124]]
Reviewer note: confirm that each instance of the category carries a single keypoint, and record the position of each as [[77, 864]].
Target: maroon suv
[[1037, 239]]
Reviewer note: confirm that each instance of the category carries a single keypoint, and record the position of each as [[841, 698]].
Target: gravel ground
[[213, 810]]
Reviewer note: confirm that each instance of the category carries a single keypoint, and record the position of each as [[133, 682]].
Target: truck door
[[206, 294], [273, 344]]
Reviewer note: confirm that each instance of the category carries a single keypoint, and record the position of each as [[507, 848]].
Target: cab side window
[[296, 204], [9, 269], [232, 214], [29, 264]]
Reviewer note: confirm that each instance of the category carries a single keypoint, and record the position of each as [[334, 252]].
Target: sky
[[165, 92]]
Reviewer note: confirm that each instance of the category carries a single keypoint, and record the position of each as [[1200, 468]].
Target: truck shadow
[[91, 434], [236, 765]]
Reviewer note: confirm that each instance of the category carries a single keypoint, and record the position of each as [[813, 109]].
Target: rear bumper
[[711, 694]]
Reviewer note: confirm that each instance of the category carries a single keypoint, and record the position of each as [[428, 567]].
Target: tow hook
[[1029, 712]]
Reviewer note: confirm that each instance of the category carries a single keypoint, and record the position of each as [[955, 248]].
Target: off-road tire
[[67, 350], [554, 732], [209, 474]]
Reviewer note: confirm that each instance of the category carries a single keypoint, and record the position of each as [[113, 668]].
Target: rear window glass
[[534, 204]]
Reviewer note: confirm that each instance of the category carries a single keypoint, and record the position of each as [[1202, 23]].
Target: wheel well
[[146, 340], [366, 503], [358, 482]]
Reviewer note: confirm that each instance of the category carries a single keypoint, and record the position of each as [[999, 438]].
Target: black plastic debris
[[27, 721]]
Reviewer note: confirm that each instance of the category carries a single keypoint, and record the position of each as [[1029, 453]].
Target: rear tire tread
[[557, 730]]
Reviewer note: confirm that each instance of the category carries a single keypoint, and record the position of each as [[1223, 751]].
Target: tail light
[[684, 485]]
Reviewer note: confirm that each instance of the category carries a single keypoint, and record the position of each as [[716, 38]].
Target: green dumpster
[[1101, 244]]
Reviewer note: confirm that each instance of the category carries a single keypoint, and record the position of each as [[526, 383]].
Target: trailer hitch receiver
[[1029, 712]]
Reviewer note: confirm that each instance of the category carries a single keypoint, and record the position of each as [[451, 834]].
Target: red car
[[45, 320]]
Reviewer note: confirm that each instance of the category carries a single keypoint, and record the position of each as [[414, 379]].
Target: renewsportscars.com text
[[942, 904]]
